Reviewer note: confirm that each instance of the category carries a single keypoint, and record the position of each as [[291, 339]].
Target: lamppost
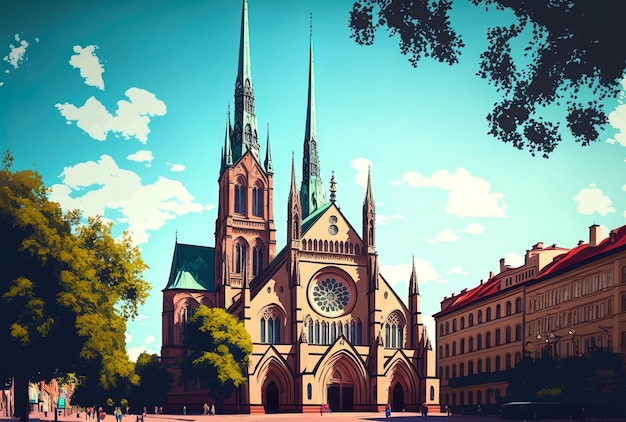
[[572, 334], [550, 338]]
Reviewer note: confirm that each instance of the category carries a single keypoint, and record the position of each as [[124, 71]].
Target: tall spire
[[312, 194], [413, 284], [228, 150], [245, 133], [269, 168]]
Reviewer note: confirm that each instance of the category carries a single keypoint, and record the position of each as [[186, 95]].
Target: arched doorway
[[397, 400], [340, 393], [271, 398]]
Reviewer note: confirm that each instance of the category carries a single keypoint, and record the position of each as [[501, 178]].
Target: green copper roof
[[192, 268], [308, 222]]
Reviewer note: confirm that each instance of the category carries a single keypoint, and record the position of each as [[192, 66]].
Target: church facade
[[326, 326]]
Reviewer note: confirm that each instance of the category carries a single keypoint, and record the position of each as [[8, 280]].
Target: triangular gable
[[339, 346], [399, 354], [270, 353], [324, 221], [192, 268]]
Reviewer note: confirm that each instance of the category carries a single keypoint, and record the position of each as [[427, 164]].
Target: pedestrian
[[184, 410], [212, 409], [205, 409], [424, 410], [583, 414], [330, 410], [479, 411], [387, 412]]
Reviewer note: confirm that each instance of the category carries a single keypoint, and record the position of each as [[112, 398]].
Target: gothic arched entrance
[[340, 393], [271, 398], [397, 400]]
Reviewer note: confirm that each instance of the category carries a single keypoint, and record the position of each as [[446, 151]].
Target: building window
[[507, 361], [257, 260], [518, 332], [359, 332], [454, 348], [488, 316], [507, 335], [470, 367], [498, 310], [480, 366], [488, 339], [432, 393], [479, 341], [624, 274], [447, 350], [240, 199], [270, 324], [462, 323], [471, 320], [488, 365], [447, 327], [257, 201], [441, 330], [462, 346], [454, 325], [240, 257], [471, 344], [498, 335], [508, 308], [309, 391], [480, 317], [497, 363], [461, 369], [518, 305]]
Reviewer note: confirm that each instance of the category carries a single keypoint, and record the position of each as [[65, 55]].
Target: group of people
[[423, 410], [206, 410]]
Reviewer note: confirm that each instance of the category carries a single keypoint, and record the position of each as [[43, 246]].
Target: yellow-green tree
[[66, 289], [217, 348]]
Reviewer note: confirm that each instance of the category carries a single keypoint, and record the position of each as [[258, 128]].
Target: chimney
[[502, 264], [490, 275], [594, 235], [612, 236], [580, 242]]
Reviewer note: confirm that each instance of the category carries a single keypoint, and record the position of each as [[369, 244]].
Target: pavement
[[301, 417]]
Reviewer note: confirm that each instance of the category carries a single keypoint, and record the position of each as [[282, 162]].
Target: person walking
[[387, 412], [212, 410], [184, 410]]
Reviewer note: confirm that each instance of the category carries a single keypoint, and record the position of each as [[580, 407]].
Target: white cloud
[[128, 336], [395, 274], [514, 260], [89, 65], [444, 236], [361, 165], [95, 187], [468, 196], [617, 119], [176, 167], [451, 236], [131, 118], [16, 53], [142, 156], [384, 220], [134, 352], [149, 339], [592, 200], [456, 270]]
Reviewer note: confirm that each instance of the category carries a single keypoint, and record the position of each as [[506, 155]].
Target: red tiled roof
[[570, 258], [584, 252]]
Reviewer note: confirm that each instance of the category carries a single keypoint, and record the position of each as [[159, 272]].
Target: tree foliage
[[571, 52], [66, 290], [151, 389], [217, 349], [596, 381]]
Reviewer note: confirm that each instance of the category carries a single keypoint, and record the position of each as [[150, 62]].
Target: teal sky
[[121, 106]]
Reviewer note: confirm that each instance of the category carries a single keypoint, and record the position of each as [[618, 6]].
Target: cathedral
[[326, 326]]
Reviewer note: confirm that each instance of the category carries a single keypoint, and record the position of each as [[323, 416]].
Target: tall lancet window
[[371, 233], [257, 201], [240, 257], [257, 260], [240, 198]]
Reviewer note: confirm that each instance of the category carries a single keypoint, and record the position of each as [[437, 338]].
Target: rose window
[[331, 295]]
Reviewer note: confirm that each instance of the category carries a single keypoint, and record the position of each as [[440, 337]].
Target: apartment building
[[560, 302]]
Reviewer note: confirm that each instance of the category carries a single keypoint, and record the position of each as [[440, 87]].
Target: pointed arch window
[[257, 260], [270, 324], [324, 333], [359, 332], [240, 257], [352, 332], [240, 199], [310, 325], [333, 332], [262, 330], [248, 133], [317, 332], [257, 201]]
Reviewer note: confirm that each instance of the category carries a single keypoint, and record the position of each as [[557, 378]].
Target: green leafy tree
[[155, 381], [66, 290], [217, 349], [553, 57]]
